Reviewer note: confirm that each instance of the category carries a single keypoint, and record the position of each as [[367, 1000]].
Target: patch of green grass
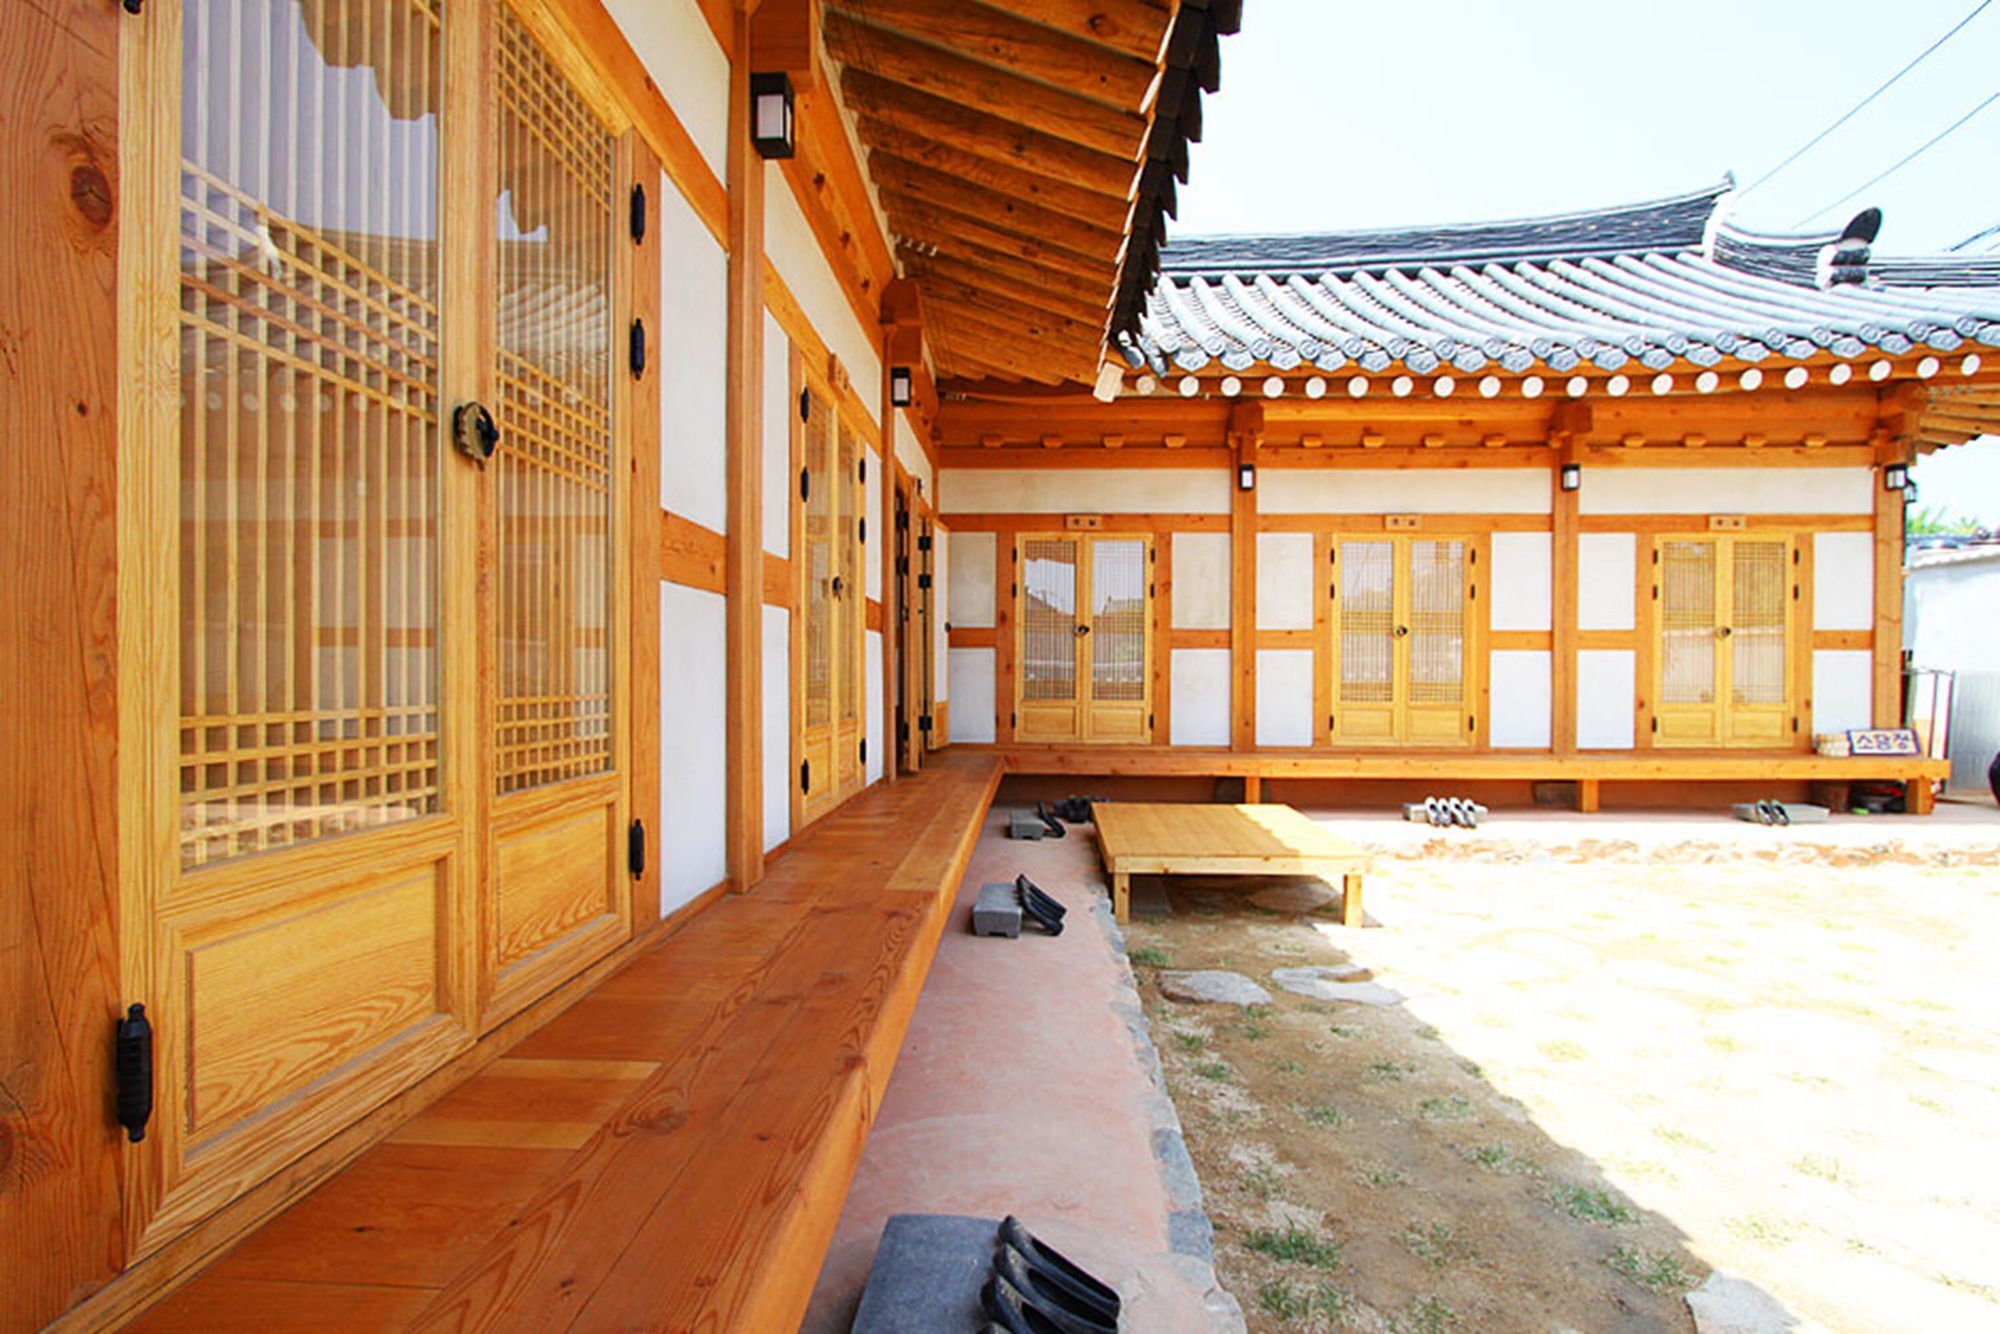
[[1427, 1033], [1380, 1175], [1262, 1181], [1288, 1067], [1294, 1246], [1148, 957], [1254, 1029], [1343, 1031], [1826, 1169], [1651, 1271], [1499, 1158], [1215, 1070], [1325, 1114], [1759, 1229], [1288, 1302], [1190, 1042], [1471, 1067], [1436, 1244], [1562, 1049], [1424, 1315], [1391, 1070], [1452, 1108], [1590, 1204]]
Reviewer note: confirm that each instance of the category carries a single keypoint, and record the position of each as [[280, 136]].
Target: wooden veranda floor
[[670, 1152]]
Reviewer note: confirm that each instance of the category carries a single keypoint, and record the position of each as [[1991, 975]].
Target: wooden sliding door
[[1403, 630], [1724, 644], [373, 771], [1085, 653], [833, 601]]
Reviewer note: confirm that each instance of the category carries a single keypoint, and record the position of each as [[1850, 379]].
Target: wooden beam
[[1032, 49], [994, 208], [916, 220], [965, 346], [1054, 192], [784, 36], [1566, 590], [1889, 516], [1062, 338], [1246, 438], [975, 268], [999, 93], [743, 431], [1136, 27], [826, 178], [643, 512]]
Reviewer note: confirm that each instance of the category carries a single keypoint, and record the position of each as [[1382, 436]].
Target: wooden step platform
[[672, 1151]]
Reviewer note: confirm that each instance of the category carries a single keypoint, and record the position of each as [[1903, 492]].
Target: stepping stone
[[1212, 986], [927, 1274], [1339, 982], [1725, 1304], [1306, 896]]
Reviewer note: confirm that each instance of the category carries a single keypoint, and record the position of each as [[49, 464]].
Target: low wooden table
[[1163, 838]]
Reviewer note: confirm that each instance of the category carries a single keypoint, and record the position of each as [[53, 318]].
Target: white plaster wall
[[971, 673], [1519, 583], [1520, 699], [1385, 491], [679, 50], [969, 563], [1201, 581], [777, 726], [1284, 581], [1200, 696], [910, 453], [1084, 491], [1284, 697], [1605, 695], [1623, 490], [871, 499], [1843, 690], [794, 251], [940, 612], [693, 361], [693, 743], [1608, 571], [780, 483], [1844, 581], [878, 722]]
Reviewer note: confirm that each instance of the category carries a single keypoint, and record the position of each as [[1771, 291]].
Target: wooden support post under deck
[[1586, 796], [744, 566], [1253, 789]]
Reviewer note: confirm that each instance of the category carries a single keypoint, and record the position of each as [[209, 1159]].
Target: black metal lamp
[[901, 386], [1895, 477], [1246, 477], [1572, 477], [771, 114]]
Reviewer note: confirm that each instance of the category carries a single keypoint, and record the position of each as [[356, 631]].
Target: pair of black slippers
[[1036, 1289], [1070, 810], [1771, 812], [1039, 906]]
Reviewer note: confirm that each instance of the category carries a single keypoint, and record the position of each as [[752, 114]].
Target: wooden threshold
[[674, 1150]]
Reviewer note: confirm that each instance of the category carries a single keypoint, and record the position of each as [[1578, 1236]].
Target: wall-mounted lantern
[[771, 114], [1895, 477], [1572, 477], [902, 390], [1246, 477]]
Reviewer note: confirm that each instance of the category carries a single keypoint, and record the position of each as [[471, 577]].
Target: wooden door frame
[[1475, 703], [1086, 548], [1797, 670]]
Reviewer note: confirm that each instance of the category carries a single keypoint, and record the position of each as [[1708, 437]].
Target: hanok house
[[507, 502]]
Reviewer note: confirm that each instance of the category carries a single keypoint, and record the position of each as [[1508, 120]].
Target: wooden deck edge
[[1652, 765], [157, 1275]]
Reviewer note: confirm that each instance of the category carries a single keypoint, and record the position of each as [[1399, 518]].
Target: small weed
[[1388, 1069], [1190, 1042], [1343, 1031], [1325, 1114], [1471, 1067], [1262, 1181], [1809, 1081], [1719, 1042], [1499, 1158], [1759, 1229], [1588, 1202], [1655, 1273], [1427, 1033], [1424, 1315], [1288, 1067], [1148, 957], [1826, 1169], [1453, 1108], [1680, 1139], [1255, 1029], [1295, 1245], [1436, 1245], [1286, 1302], [1979, 1290], [1380, 1176], [1215, 1070], [1562, 1049]]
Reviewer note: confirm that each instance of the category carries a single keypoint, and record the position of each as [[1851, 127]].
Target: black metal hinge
[[135, 6], [903, 730], [635, 849], [638, 215], [861, 530], [805, 405], [924, 582], [805, 484], [924, 723], [864, 750], [134, 1065], [1013, 720], [924, 542], [1656, 724], [862, 468], [805, 776], [902, 565], [1149, 722], [638, 348]]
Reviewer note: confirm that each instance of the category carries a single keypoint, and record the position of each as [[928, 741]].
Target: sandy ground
[[1632, 1051]]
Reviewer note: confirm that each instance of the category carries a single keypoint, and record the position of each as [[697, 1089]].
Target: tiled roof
[[1644, 286]]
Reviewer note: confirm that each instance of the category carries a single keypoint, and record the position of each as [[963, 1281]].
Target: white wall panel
[[970, 565], [1843, 690], [1201, 685], [1519, 581], [1607, 577], [1520, 699], [777, 726], [1844, 581], [1201, 581], [910, 453], [693, 743], [1606, 699], [1412, 491], [679, 50], [693, 363], [941, 611], [1284, 697], [1629, 490], [971, 671], [794, 251], [1084, 491], [780, 483], [878, 722], [1284, 581], [871, 513]]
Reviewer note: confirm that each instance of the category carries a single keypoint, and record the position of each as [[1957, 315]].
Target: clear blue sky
[[1356, 114]]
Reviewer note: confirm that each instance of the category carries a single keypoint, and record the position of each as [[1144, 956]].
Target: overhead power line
[[1907, 159], [1852, 111], [1980, 235]]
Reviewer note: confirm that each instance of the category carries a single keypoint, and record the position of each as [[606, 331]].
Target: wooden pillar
[[643, 508], [743, 572], [1888, 588], [1564, 587], [1246, 438], [902, 344], [892, 610]]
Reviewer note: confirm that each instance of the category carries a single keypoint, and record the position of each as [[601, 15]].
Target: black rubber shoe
[[1016, 1313], [1035, 910], [1048, 901], [1048, 1290], [1056, 829], [1045, 1259]]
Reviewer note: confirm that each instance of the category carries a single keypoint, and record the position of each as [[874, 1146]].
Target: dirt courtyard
[[1616, 1068]]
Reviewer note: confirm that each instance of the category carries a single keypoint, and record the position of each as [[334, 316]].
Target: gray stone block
[[927, 1274], [997, 911], [1026, 824]]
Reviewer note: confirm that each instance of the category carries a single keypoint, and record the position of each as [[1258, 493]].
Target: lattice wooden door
[[1052, 628], [1724, 612], [834, 602], [1085, 650], [1120, 605], [1402, 641]]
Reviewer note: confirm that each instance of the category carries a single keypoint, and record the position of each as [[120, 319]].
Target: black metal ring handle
[[474, 431]]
